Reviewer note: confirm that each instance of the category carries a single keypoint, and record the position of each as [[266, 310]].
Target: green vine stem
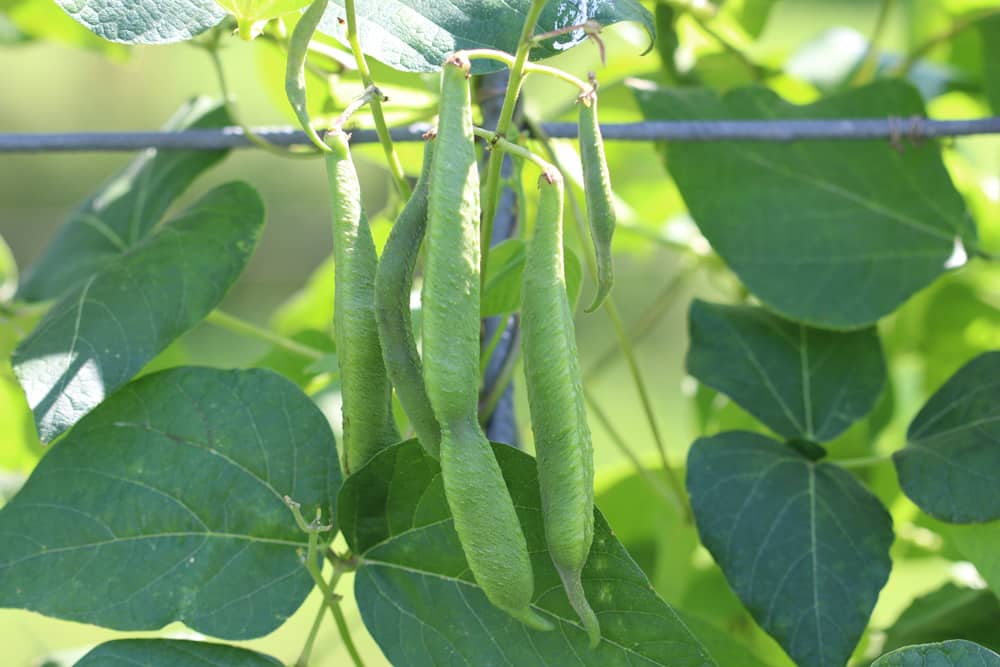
[[529, 67], [621, 334], [303, 660], [934, 41], [236, 325], [312, 563], [212, 48], [395, 166], [869, 61], [594, 408], [491, 189]]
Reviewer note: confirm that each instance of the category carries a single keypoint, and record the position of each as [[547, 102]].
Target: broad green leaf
[[948, 613], [173, 652], [144, 21], [43, 19], [950, 466], [124, 211], [418, 599], [980, 545], [724, 648], [502, 289], [800, 381], [251, 15], [417, 35], [803, 544], [954, 653], [166, 504], [989, 32], [834, 234], [101, 334]]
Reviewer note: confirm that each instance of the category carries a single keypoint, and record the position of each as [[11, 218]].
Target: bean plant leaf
[[834, 234], [125, 210], [803, 544], [417, 35], [418, 599], [173, 652], [145, 21], [950, 612], [950, 466], [802, 382], [502, 294], [101, 334], [166, 504], [954, 653]]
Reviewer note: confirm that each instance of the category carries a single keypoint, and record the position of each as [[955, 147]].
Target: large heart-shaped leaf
[[954, 653], [417, 35], [419, 601], [803, 544], [835, 234], [166, 504], [173, 652], [125, 210], [802, 382], [97, 337], [145, 21], [950, 466]]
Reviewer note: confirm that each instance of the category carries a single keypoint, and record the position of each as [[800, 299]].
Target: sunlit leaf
[[173, 652], [144, 21]]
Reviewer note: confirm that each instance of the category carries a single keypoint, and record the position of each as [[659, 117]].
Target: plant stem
[[862, 462], [489, 403], [242, 327], [230, 105], [595, 409], [650, 316], [624, 343], [303, 660], [529, 67], [491, 190], [496, 141], [934, 41], [869, 62], [395, 166]]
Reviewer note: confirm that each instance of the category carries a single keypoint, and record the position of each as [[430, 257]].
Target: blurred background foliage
[[58, 77]]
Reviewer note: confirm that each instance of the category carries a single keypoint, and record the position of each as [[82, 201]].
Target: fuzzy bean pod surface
[[366, 393], [555, 397], [600, 201], [483, 512], [393, 282]]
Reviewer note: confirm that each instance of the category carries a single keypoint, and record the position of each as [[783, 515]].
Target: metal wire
[[894, 129]]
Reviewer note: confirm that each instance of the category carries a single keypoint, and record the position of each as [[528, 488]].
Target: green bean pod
[[295, 72], [481, 506], [393, 282], [600, 201], [365, 390], [555, 397]]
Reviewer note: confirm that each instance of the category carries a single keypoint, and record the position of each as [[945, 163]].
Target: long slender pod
[[555, 397], [365, 389], [600, 202], [393, 282], [481, 506], [295, 70]]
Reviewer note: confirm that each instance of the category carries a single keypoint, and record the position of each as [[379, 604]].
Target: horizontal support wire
[[894, 129]]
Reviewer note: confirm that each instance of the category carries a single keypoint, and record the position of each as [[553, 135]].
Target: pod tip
[[531, 618], [578, 600]]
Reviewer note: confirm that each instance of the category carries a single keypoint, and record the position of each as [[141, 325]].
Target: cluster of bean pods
[[440, 395]]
